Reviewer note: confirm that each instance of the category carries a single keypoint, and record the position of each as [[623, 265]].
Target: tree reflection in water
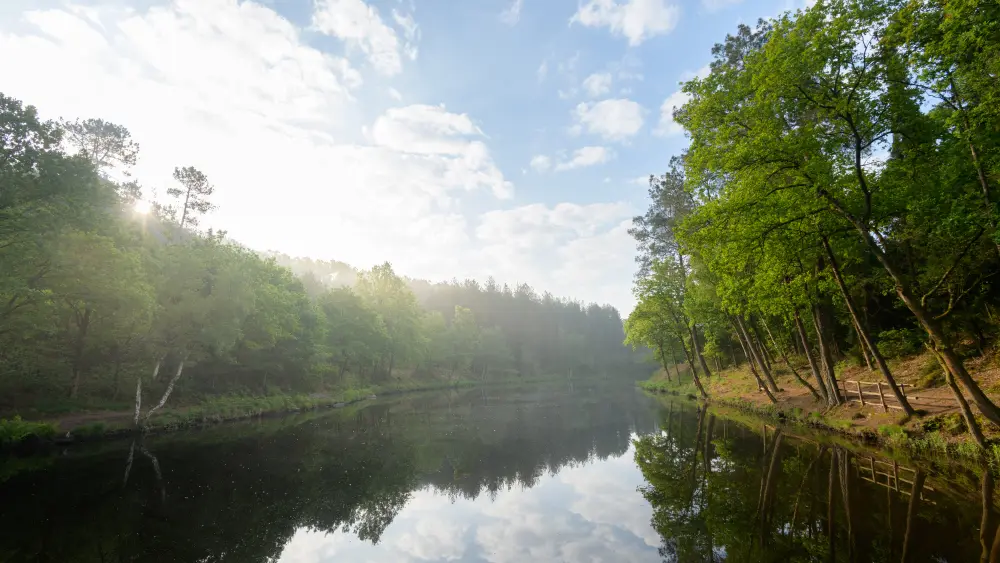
[[767, 495]]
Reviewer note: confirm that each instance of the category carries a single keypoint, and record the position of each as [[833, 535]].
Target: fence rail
[[854, 393]]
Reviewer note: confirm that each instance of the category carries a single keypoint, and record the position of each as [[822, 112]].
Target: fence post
[[881, 397], [860, 396]]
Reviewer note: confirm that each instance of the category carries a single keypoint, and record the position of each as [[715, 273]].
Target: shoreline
[[32, 436], [925, 446]]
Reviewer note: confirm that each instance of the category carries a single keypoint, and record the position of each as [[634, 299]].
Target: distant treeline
[[838, 197], [100, 288]]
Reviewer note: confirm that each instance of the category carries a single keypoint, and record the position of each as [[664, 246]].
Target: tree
[[195, 190], [104, 143]]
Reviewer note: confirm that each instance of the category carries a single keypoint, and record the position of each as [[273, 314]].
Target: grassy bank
[[938, 432], [67, 424]]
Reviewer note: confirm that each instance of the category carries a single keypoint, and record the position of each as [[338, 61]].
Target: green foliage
[[899, 343], [930, 374], [96, 299], [15, 430], [840, 183]]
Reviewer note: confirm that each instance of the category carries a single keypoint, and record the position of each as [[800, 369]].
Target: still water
[[550, 473]]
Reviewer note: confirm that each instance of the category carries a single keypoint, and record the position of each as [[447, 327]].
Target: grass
[[16, 431], [219, 409]]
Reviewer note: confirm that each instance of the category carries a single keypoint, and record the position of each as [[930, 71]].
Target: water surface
[[549, 473]]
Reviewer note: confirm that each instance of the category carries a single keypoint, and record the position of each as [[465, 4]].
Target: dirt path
[[73, 421]]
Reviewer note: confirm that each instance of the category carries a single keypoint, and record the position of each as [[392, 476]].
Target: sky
[[452, 138]]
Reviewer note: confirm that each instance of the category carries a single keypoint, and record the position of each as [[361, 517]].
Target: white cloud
[[543, 71], [360, 26], [411, 31], [512, 14], [395, 94], [614, 119], [597, 84], [233, 89], [667, 125], [586, 156], [702, 72], [560, 247], [432, 131], [637, 20], [541, 163]]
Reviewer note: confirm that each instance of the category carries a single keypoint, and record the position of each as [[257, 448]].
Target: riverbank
[[90, 425], [937, 431]]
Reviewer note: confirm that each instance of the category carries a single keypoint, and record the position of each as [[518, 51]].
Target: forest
[[106, 295], [836, 203]]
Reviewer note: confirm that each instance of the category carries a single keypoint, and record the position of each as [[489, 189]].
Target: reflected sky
[[589, 511], [502, 474]]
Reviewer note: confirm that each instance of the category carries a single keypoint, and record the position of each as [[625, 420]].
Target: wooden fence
[[881, 396]]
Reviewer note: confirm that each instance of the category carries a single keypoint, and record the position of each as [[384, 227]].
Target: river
[[554, 472]]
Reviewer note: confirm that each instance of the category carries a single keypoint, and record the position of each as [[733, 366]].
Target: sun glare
[[143, 207]]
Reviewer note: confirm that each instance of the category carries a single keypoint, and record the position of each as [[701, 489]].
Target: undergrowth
[[15, 431]]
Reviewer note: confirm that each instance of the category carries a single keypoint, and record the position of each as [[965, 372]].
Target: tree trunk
[[663, 360], [923, 316], [82, 326], [170, 388], [866, 339], [697, 350], [963, 405], [784, 358], [138, 404], [753, 370], [829, 374], [761, 345], [117, 373], [694, 373], [677, 369], [392, 360], [808, 353], [756, 355]]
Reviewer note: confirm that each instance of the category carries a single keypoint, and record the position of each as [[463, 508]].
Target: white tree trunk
[[169, 390], [138, 401]]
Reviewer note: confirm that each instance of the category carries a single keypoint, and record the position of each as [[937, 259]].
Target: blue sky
[[452, 138]]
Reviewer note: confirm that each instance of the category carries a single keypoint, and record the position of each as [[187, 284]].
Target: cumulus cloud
[[700, 73], [667, 125], [637, 20], [586, 156], [614, 119], [563, 247], [540, 163], [597, 84], [233, 89], [359, 26], [512, 14], [280, 127]]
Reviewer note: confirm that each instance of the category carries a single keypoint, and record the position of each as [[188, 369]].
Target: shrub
[[899, 342], [16, 430], [930, 374]]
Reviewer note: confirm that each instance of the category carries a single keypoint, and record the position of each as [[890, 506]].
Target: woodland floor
[[932, 401]]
